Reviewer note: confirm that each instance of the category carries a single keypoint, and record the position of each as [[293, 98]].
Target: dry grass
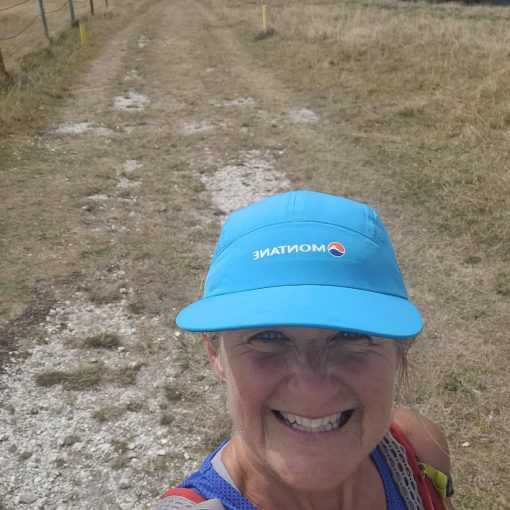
[[88, 376], [13, 21], [173, 392], [113, 413], [166, 419], [42, 77], [422, 88], [190, 351], [101, 292], [219, 429], [70, 440], [107, 414], [78, 379], [120, 458], [103, 341], [420, 91]]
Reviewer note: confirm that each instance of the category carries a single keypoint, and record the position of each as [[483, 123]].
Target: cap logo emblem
[[336, 249]]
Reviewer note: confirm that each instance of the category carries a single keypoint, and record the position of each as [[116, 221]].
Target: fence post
[[83, 33], [44, 22], [91, 7], [106, 3], [264, 18], [4, 75], [71, 12]]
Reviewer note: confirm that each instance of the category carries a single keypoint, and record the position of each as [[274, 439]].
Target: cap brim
[[305, 306]]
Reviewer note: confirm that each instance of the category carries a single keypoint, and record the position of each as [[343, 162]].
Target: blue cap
[[305, 259]]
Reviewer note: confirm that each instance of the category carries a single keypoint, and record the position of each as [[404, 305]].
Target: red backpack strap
[[188, 494], [429, 496]]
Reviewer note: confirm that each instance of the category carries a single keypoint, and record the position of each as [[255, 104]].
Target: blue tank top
[[209, 484]]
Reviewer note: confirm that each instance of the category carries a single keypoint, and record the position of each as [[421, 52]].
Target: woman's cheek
[[257, 368], [371, 377]]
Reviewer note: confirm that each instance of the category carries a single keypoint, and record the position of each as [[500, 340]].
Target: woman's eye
[[350, 340], [268, 336], [269, 342], [347, 335]]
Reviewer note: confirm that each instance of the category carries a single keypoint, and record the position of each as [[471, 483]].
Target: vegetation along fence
[[26, 24]]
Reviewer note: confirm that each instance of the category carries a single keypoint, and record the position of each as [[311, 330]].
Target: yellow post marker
[[264, 18], [83, 34]]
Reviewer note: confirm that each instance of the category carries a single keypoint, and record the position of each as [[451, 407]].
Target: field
[[109, 212]]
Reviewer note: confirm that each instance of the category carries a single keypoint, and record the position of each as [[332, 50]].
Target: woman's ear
[[213, 353]]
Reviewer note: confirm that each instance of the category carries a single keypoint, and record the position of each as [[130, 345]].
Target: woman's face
[[308, 404]]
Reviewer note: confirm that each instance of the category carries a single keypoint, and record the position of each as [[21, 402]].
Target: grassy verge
[[43, 76]]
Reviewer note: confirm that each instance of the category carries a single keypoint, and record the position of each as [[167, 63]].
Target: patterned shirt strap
[[184, 499], [395, 457], [429, 496], [188, 494]]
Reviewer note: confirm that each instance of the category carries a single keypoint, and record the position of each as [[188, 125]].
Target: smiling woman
[[309, 342]]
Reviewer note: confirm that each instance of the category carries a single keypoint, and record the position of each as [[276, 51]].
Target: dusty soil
[[108, 222]]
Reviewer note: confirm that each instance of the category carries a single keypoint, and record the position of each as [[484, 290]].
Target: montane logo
[[335, 249]]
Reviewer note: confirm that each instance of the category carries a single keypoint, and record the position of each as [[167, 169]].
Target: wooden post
[[264, 18], [44, 22], [91, 7], [106, 3], [4, 75], [71, 12], [83, 34]]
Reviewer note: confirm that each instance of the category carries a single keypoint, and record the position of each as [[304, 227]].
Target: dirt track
[[174, 125]]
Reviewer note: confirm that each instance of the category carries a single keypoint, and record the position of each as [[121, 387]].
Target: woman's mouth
[[332, 422]]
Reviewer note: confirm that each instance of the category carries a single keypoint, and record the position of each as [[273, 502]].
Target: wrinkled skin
[[312, 373]]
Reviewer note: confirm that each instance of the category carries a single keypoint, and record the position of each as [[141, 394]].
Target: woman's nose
[[313, 384]]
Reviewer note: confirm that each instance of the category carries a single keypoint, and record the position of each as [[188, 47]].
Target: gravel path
[[110, 424]]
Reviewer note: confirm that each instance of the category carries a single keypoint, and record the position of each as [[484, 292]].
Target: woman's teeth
[[325, 424]]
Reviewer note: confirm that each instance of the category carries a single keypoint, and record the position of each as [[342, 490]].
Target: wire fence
[[59, 9], [19, 20], [13, 5], [43, 12], [9, 37]]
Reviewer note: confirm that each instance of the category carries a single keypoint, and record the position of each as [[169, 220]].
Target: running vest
[[406, 485]]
